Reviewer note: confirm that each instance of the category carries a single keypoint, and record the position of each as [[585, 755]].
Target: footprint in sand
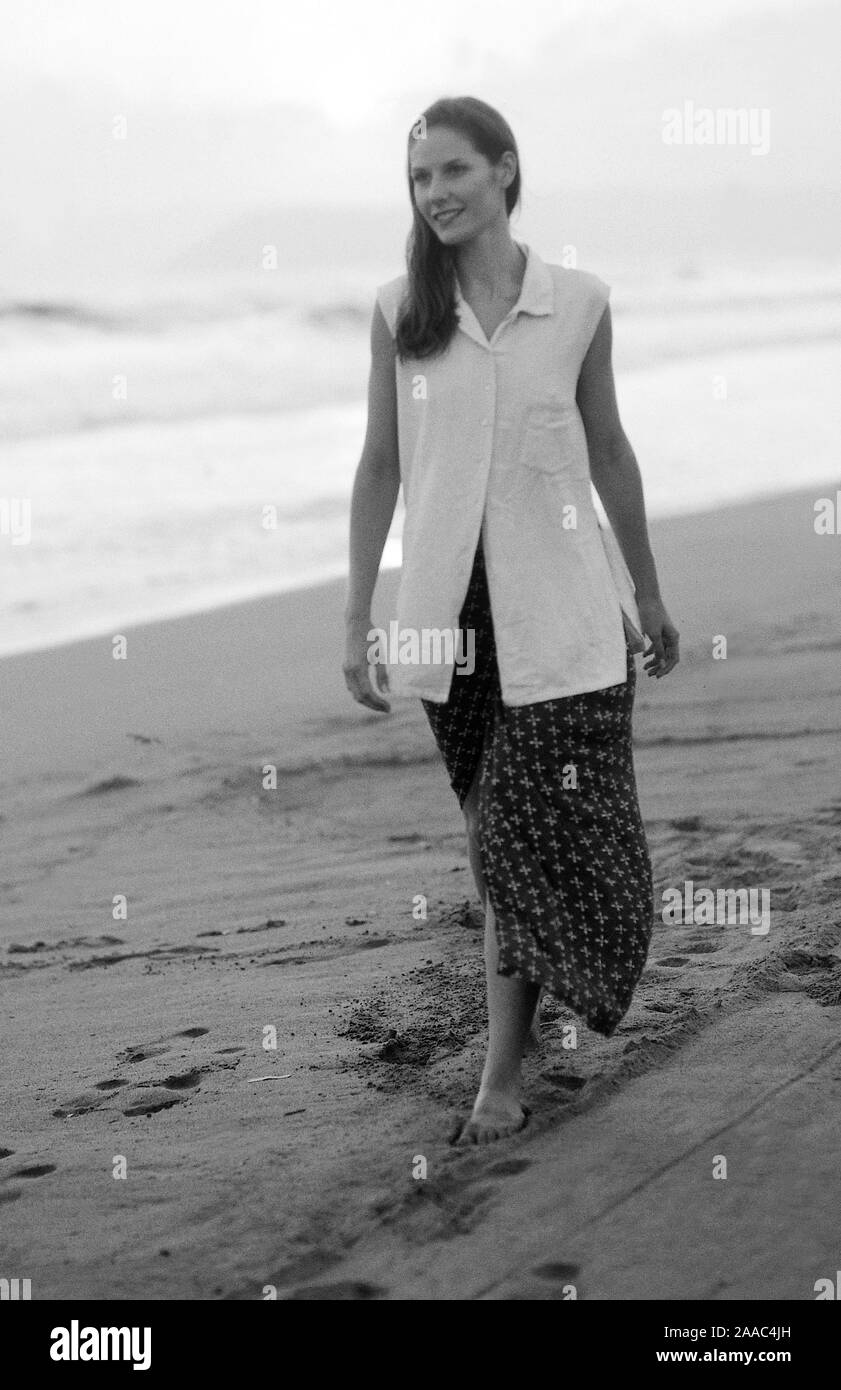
[[142, 1053], [509, 1167], [800, 962], [186, 1081], [158, 1100], [141, 1103], [79, 1105], [111, 784], [564, 1079], [160, 1095]]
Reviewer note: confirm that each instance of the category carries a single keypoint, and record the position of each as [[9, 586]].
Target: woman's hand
[[357, 668], [663, 636]]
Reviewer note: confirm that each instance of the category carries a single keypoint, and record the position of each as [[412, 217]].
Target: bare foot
[[496, 1114]]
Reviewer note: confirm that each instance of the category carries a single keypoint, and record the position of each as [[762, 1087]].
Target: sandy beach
[[224, 1091]]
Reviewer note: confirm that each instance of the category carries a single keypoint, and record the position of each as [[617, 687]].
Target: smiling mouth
[[445, 218]]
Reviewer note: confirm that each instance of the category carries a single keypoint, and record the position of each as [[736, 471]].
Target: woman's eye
[[453, 169]]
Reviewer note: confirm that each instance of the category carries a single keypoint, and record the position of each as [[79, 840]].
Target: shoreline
[[201, 607], [254, 664]]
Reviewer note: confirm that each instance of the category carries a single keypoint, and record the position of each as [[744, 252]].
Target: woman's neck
[[492, 265]]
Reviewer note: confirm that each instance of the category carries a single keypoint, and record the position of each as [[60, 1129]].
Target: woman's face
[[449, 175]]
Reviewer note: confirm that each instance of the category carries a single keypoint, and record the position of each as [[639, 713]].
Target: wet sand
[[141, 1043]]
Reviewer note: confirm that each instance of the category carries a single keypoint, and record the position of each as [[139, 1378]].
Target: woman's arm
[[373, 500], [616, 478]]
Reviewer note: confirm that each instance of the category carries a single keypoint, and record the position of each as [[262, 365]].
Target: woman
[[491, 399]]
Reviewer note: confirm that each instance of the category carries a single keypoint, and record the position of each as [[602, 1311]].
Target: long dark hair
[[427, 319]]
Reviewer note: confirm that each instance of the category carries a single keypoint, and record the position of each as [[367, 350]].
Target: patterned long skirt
[[562, 844]]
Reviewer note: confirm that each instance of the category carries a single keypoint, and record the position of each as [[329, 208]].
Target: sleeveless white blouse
[[491, 440]]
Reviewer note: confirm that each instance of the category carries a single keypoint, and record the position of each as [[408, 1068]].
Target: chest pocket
[[553, 442]]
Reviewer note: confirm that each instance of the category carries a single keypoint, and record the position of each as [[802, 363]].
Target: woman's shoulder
[[583, 285], [580, 300], [390, 296]]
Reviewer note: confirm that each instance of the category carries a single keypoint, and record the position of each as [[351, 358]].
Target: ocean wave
[[349, 301], [58, 311]]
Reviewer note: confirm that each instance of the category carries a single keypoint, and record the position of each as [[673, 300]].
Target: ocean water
[[182, 444]]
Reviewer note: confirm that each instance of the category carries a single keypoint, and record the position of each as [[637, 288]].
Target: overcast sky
[[233, 105], [344, 59]]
